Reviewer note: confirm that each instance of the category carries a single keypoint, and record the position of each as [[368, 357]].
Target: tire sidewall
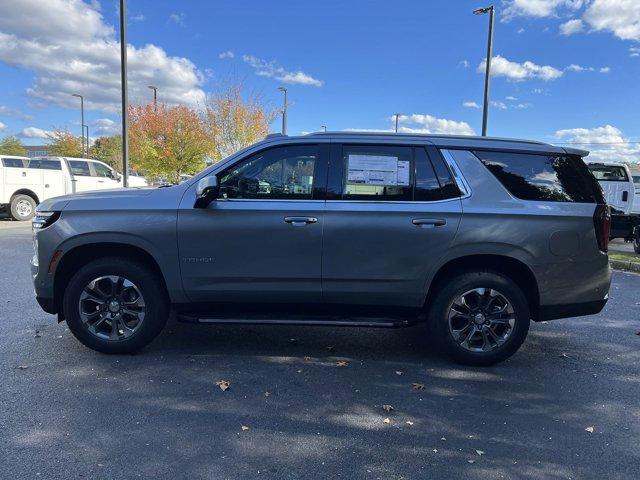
[[462, 283], [156, 304], [13, 207]]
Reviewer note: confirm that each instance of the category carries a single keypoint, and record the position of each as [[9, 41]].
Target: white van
[[24, 182], [617, 184], [636, 201]]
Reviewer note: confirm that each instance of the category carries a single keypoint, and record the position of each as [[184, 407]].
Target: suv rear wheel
[[115, 305], [480, 317]]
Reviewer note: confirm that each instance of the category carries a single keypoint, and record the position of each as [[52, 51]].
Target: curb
[[627, 266]]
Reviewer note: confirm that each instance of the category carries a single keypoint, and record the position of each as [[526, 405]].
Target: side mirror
[[206, 191]]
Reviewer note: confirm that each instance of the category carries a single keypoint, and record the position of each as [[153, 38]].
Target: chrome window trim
[[458, 177]]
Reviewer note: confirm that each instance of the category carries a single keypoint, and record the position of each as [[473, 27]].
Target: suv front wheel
[[115, 305], [480, 317]]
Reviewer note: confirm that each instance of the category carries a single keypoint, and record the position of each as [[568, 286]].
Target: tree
[[169, 142], [64, 144], [234, 123], [108, 150], [12, 146]]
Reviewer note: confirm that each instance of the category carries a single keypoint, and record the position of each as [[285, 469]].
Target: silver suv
[[473, 236]]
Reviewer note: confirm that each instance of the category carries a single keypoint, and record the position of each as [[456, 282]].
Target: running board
[[351, 322]]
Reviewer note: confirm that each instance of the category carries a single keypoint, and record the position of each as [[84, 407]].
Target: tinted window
[[79, 167], [449, 187], [45, 164], [608, 173], [101, 170], [427, 186], [546, 177], [13, 162], [636, 180], [283, 172], [377, 172]]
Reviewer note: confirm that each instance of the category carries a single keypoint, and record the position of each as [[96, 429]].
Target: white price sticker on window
[[378, 170]]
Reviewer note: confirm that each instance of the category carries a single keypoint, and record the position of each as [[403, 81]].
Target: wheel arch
[[82, 254], [511, 267], [27, 192]]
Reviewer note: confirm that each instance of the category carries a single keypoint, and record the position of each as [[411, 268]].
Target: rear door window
[[13, 162], [80, 167], [609, 173], [543, 177]]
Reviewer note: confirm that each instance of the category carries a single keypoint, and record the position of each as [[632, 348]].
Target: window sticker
[[378, 170]]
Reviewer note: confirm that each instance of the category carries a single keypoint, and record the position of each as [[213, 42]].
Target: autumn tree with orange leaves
[[169, 142], [234, 123]]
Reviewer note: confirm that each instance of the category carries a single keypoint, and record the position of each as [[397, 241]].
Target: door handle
[[100, 181], [429, 222], [300, 221]]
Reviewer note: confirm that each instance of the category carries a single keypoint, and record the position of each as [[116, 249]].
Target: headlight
[[44, 219]]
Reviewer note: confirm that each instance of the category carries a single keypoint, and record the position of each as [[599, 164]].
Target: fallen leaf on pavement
[[471, 461], [398, 372], [223, 384], [409, 422], [480, 452], [418, 386], [387, 408], [589, 429], [22, 367], [342, 363], [387, 420], [266, 394], [564, 355], [244, 428]]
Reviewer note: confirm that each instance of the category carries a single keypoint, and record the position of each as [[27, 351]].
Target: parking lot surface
[[307, 402]]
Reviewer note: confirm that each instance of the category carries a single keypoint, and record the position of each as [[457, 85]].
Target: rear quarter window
[[13, 162], [543, 177], [609, 173]]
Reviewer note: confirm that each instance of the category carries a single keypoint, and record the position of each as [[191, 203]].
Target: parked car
[[24, 182], [620, 193], [476, 236]]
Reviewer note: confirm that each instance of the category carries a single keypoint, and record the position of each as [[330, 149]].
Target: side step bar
[[313, 321]]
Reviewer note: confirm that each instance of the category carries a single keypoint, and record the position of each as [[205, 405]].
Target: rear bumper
[[554, 312]]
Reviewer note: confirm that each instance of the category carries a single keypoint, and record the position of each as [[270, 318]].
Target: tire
[[511, 334], [141, 286], [636, 244], [22, 207]]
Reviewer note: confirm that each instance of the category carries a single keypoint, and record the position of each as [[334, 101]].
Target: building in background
[[37, 150]]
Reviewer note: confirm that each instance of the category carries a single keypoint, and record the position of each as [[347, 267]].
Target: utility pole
[[87, 137], [81, 117], [155, 97], [397, 116], [324, 127], [125, 101], [487, 74], [284, 110]]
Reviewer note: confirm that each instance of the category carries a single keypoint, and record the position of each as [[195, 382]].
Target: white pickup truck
[[25, 182]]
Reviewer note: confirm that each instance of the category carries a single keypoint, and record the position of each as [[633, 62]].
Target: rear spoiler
[[576, 151]]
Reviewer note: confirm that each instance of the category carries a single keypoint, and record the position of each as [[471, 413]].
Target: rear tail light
[[602, 224]]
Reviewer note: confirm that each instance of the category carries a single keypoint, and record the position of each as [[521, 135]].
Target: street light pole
[[81, 117], [397, 116], [87, 137], [487, 74], [125, 101], [284, 110], [324, 127], [155, 97]]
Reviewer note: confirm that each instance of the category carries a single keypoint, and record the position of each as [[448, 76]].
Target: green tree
[[12, 146], [63, 144], [108, 150]]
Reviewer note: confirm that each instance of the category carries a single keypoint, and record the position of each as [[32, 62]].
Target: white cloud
[[227, 54], [71, 49], [578, 68], [470, 104], [419, 123], [634, 51], [499, 105], [2, 126], [605, 69], [537, 8], [35, 132], [137, 18], [511, 98], [501, 67], [178, 18], [105, 126], [14, 112], [465, 63], [572, 26], [604, 143], [271, 69], [621, 17], [520, 30], [522, 106]]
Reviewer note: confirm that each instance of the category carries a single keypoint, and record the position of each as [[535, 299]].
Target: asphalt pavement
[[307, 402]]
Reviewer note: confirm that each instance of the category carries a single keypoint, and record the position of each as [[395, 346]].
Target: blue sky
[[565, 70]]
